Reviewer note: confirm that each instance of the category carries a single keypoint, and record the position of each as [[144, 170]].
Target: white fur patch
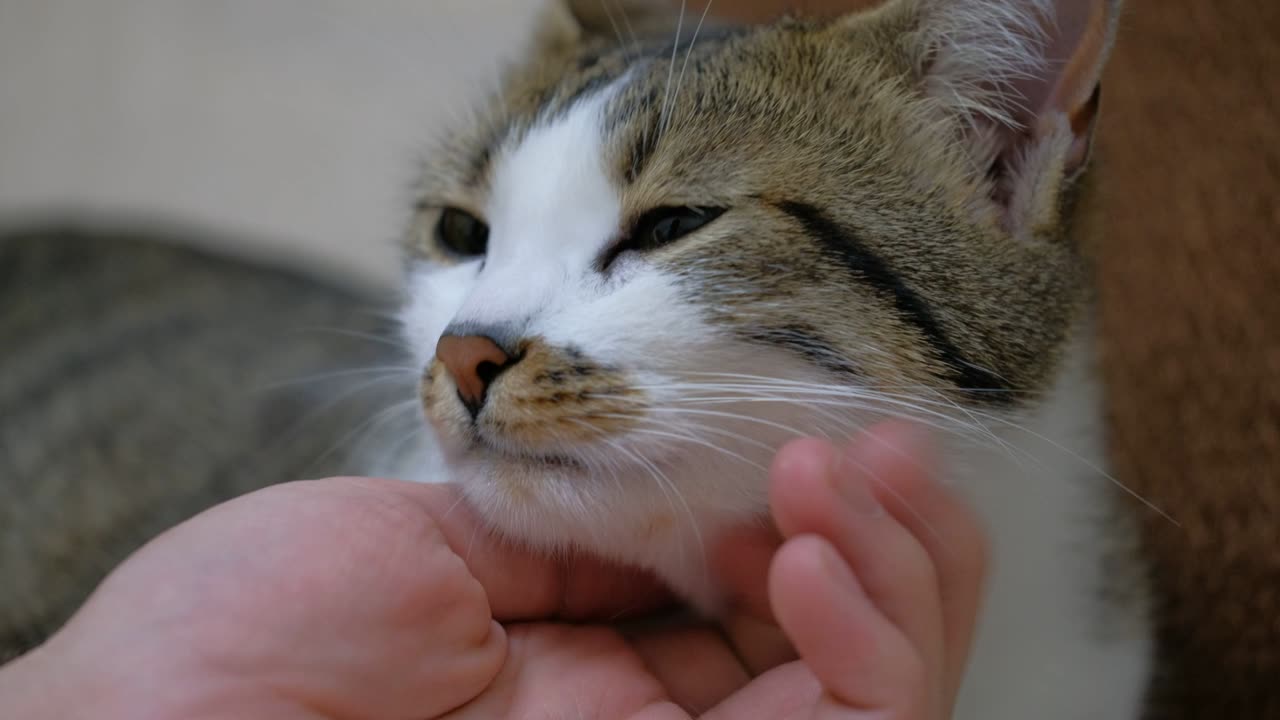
[[1044, 647], [552, 211]]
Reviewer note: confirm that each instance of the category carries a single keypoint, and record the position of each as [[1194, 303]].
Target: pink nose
[[473, 361]]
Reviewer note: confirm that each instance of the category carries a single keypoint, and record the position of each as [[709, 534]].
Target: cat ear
[[1024, 76], [566, 24]]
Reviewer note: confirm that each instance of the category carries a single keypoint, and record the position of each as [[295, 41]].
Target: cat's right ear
[[1020, 82]]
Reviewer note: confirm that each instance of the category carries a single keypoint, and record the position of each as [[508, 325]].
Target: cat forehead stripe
[[843, 246]]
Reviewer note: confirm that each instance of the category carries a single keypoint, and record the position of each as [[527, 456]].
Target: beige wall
[[297, 122]]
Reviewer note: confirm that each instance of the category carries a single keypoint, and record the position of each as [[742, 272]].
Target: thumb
[[521, 583]]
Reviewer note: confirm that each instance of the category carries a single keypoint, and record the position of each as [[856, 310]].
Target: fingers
[[945, 526], [787, 692], [670, 652], [522, 584], [741, 561], [861, 659], [879, 583], [820, 490], [569, 671]]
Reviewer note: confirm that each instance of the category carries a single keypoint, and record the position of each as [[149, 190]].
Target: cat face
[[653, 263]]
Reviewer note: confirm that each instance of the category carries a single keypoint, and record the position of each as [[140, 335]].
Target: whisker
[[785, 381], [913, 402], [702, 443], [1091, 466], [626, 21], [808, 389], [604, 5], [671, 71], [688, 54], [453, 506], [662, 479], [371, 423], [733, 416], [951, 426], [329, 404], [388, 341], [416, 430], [384, 372], [709, 428]]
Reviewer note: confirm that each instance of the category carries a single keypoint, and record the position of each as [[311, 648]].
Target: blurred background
[[297, 127]]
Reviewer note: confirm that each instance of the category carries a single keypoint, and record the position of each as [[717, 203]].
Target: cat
[[653, 261], [661, 253], [142, 382]]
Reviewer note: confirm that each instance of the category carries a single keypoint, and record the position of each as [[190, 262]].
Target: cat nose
[[474, 362]]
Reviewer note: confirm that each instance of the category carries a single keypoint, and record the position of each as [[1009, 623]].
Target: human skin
[[363, 598]]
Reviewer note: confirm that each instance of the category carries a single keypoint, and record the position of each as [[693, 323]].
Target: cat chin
[[559, 510]]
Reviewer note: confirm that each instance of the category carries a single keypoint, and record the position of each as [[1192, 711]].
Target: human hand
[[351, 598], [344, 598], [877, 584]]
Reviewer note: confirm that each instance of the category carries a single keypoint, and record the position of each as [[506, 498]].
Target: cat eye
[[462, 233], [662, 226], [665, 225]]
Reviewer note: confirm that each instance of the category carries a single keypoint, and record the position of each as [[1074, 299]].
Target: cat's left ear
[[565, 25], [1024, 76]]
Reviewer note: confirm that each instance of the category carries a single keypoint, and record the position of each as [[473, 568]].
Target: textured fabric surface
[[1189, 270]]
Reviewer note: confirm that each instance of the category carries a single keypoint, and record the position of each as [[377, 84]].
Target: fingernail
[[849, 481]]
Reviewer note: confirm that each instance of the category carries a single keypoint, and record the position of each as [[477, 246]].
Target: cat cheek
[[434, 297]]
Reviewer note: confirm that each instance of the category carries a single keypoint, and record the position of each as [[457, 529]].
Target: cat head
[[660, 255]]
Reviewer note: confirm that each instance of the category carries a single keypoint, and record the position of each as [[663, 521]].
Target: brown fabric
[[1189, 274]]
